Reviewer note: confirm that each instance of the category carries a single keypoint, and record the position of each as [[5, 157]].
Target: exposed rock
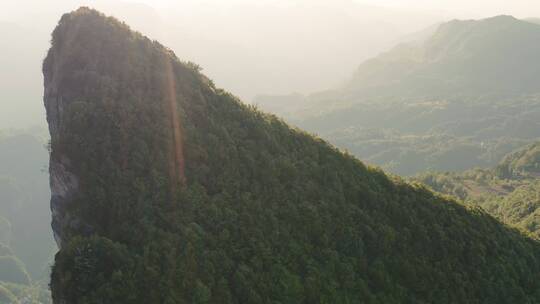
[[64, 185]]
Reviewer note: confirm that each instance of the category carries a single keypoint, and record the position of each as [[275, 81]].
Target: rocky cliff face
[[64, 183], [63, 186], [108, 124]]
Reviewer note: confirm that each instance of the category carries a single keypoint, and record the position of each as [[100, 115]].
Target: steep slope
[[168, 190], [508, 191], [465, 97]]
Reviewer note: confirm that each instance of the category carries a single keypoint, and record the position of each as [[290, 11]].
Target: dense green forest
[[464, 97], [509, 191], [186, 195], [26, 244]]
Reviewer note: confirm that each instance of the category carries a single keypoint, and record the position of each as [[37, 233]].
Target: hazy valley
[[441, 104]]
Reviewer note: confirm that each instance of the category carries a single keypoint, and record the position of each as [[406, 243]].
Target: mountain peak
[[501, 18], [85, 10], [88, 76], [167, 190]]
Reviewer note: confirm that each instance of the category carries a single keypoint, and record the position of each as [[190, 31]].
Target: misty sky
[[467, 8], [455, 8], [248, 47]]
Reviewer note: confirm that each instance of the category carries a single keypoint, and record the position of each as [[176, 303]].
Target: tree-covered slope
[[464, 97], [522, 163], [509, 191], [166, 189]]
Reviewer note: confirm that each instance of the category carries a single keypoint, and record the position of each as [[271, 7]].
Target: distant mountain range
[[490, 57], [463, 97]]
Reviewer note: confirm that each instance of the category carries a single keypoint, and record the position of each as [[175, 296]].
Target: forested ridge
[[267, 213]]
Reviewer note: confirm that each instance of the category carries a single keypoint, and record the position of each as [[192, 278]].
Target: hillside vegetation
[[522, 163], [510, 191], [265, 214]]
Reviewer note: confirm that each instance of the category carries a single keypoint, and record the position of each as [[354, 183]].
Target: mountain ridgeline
[[166, 189], [464, 97], [494, 56]]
